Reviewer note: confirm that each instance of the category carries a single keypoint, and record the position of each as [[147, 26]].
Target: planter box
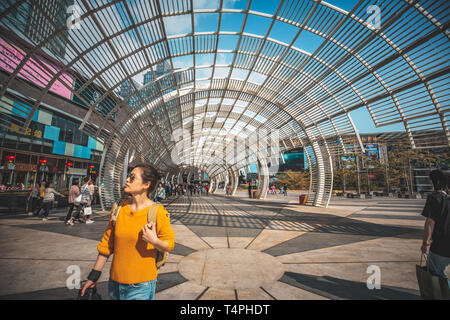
[[302, 199]]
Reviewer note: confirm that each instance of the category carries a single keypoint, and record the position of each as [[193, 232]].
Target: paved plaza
[[235, 248]]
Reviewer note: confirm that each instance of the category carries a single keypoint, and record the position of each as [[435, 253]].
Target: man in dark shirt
[[436, 240]]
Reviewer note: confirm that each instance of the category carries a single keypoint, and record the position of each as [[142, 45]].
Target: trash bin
[[254, 194], [302, 199]]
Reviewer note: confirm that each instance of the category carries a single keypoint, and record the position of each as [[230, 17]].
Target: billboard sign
[[11, 57], [372, 151], [349, 162], [77, 171]]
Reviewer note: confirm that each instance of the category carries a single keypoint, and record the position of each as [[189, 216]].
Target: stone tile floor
[[234, 248]]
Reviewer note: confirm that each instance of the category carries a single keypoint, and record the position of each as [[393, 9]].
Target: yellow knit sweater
[[134, 259]]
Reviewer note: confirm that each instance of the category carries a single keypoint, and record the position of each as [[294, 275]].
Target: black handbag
[[432, 286], [89, 294]]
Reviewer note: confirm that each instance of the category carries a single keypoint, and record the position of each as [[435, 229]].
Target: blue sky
[[365, 124]]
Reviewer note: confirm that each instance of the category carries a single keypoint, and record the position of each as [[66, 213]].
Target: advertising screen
[[11, 57], [294, 160], [372, 151]]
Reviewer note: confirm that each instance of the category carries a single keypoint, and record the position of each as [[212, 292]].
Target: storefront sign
[[77, 171], [25, 167], [36, 133], [11, 166]]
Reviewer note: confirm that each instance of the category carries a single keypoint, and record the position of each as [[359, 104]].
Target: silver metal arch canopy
[[233, 83]]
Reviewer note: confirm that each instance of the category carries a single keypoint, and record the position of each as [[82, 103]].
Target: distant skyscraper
[[148, 77], [127, 91], [163, 68], [149, 91]]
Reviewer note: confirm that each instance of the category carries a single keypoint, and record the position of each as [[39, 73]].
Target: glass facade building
[[52, 136]]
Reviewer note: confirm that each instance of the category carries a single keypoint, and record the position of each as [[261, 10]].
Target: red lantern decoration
[[11, 157], [91, 166], [43, 161], [69, 164]]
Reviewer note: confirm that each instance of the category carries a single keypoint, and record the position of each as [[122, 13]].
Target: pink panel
[[10, 58]]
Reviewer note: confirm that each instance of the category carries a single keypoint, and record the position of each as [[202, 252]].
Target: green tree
[[294, 180]]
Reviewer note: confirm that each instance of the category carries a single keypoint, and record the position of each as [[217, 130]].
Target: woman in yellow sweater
[[133, 241]]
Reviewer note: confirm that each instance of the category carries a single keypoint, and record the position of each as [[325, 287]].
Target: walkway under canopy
[[228, 80]]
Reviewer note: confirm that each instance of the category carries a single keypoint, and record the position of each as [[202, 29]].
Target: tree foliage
[[294, 180], [393, 175]]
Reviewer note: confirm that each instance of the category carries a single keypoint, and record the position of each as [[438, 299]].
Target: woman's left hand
[[425, 248], [149, 233]]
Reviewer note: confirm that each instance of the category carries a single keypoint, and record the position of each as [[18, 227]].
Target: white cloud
[[206, 4], [178, 24]]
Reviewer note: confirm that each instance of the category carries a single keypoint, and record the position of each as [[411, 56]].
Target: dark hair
[[438, 179], [149, 174], [75, 182], [86, 179]]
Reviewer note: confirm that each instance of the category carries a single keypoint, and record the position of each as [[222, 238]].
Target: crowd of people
[[42, 197], [9, 187], [82, 194], [181, 189], [281, 190]]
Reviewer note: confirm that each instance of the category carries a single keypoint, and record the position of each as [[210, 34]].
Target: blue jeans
[[47, 207], [437, 264], [138, 291]]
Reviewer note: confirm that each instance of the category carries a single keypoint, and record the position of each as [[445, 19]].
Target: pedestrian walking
[[40, 203], [207, 189], [133, 241], [74, 192], [49, 198], [85, 203], [33, 199], [285, 190], [160, 193], [91, 190], [436, 239], [167, 188]]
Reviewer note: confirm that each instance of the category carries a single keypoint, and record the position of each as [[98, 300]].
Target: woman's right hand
[[87, 284]]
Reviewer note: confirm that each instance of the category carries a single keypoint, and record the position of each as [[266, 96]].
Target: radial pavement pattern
[[229, 249]]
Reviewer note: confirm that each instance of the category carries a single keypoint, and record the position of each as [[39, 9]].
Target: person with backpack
[[74, 192], [436, 239], [49, 198], [160, 193], [134, 242]]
